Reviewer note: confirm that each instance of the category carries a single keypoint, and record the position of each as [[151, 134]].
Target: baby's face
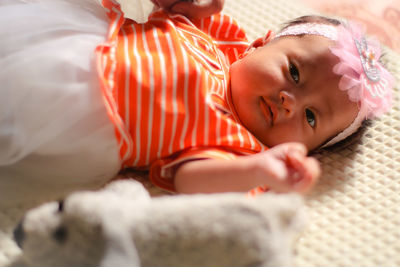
[[286, 91]]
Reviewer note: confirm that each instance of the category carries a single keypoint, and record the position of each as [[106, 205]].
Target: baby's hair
[[311, 19], [351, 140]]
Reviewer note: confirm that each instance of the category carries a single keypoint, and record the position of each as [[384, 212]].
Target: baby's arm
[[193, 9], [283, 168]]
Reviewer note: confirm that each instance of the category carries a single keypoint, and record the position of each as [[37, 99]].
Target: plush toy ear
[[129, 190], [119, 248]]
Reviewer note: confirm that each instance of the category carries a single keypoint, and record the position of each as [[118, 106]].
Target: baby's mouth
[[266, 110]]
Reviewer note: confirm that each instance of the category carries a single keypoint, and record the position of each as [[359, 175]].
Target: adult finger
[[165, 4], [197, 9]]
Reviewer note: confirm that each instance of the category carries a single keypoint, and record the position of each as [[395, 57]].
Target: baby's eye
[[294, 72], [310, 118]]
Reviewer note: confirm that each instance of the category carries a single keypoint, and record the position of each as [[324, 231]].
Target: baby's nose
[[288, 103], [19, 234]]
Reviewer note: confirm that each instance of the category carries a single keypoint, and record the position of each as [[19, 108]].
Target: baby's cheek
[[287, 131]]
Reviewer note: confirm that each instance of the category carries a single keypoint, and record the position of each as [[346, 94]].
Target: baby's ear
[[257, 43], [253, 46], [261, 41]]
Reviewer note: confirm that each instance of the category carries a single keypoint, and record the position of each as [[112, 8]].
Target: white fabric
[[53, 123], [351, 129], [326, 30]]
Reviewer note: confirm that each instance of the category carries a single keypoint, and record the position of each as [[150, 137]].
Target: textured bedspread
[[355, 209]]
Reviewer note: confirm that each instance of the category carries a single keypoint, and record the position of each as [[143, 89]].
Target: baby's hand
[[286, 168], [193, 9]]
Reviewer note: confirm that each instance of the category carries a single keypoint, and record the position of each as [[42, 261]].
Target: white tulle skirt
[[55, 135]]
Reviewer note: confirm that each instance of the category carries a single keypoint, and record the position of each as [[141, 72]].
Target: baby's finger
[[313, 167], [305, 172], [294, 147], [311, 175], [283, 150]]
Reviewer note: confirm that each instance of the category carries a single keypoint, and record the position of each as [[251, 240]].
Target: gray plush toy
[[122, 226]]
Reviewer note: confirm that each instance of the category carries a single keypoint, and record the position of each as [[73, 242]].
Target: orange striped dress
[[166, 88]]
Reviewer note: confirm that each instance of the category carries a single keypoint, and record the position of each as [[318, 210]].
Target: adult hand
[[193, 9]]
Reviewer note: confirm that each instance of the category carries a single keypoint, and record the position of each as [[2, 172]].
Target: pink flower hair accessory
[[364, 78]]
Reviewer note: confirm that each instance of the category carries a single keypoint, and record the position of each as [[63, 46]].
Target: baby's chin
[[235, 105]]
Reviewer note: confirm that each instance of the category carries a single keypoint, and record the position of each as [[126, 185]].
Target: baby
[[183, 95]]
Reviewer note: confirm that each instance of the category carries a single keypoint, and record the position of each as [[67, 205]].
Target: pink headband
[[366, 81]]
